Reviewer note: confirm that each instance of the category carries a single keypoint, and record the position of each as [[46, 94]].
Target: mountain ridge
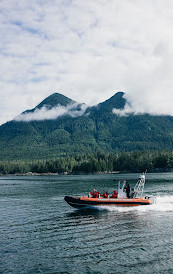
[[56, 99]]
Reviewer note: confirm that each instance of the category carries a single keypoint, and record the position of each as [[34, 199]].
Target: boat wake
[[162, 204]]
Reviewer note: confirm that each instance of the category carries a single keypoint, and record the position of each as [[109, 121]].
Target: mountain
[[59, 126]]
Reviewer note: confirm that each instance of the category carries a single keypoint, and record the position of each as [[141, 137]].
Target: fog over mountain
[[44, 113], [57, 105]]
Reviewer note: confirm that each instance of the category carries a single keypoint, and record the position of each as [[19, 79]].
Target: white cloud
[[86, 50], [73, 110]]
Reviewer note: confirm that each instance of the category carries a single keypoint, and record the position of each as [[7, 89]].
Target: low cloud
[[123, 112], [145, 103], [73, 110]]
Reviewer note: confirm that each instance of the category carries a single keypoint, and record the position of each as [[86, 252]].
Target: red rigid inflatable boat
[[134, 199]]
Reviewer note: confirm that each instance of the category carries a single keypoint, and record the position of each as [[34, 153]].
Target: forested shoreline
[[136, 161]]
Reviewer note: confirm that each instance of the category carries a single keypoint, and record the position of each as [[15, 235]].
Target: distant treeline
[[92, 163]]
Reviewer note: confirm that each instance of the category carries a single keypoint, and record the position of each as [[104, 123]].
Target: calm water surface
[[40, 233]]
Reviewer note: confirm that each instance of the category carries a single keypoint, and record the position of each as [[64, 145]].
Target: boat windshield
[[121, 189]]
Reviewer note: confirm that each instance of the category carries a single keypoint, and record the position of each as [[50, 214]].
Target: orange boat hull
[[87, 202]]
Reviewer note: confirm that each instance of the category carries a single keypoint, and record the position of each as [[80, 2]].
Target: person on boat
[[105, 195], [128, 190], [115, 194], [95, 193]]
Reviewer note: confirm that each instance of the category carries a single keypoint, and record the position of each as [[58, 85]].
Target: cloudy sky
[[86, 50]]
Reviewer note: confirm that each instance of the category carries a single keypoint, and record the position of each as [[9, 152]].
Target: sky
[[87, 51]]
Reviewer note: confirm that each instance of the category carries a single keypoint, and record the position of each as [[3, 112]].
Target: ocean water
[[40, 233]]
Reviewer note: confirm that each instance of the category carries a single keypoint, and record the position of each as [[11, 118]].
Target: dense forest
[[135, 161]]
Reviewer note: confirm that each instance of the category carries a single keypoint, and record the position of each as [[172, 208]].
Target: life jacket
[[105, 195], [95, 194], [115, 194]]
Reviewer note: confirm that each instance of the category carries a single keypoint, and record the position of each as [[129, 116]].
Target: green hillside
[[98, 129]]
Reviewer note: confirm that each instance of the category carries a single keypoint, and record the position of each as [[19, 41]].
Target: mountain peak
[[116, 101], [54, 100]]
